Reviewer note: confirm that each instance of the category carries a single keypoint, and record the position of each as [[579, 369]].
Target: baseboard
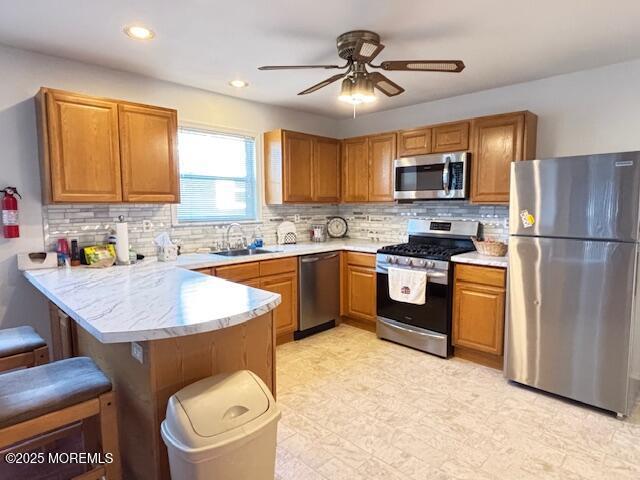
[[483, 358], [362, 324], [284, 338]]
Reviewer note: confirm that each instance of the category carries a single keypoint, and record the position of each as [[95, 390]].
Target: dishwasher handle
[[315, 259]]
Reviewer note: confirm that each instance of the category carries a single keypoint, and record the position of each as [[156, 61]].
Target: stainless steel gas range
[[431, 244]]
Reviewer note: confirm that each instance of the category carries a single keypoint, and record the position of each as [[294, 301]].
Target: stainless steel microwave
[[443, 176]]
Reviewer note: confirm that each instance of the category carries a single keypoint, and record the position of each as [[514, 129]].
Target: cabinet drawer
[[280, 265], [240, 272], [482, 275], [362, 259]]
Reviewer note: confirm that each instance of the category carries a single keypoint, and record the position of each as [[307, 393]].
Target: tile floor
[[355, 407]]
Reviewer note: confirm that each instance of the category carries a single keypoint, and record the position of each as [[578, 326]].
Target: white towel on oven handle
[[408, 286]]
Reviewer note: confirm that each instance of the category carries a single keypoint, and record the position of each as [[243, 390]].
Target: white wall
[[23, 73], [593, 111]]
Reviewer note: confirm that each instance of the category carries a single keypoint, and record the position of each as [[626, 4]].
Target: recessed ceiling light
[[238, 83], [139, 32]]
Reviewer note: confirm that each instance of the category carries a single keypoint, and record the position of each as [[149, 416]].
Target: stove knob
[[431, 264], [407, 261], [421, 263], [389, 259]]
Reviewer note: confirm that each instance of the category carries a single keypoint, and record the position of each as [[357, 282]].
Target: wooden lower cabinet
[[277, 276], [359, 288], [285, 316], [478, 314]]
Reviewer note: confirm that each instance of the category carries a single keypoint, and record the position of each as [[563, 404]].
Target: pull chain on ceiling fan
[[359, 48]]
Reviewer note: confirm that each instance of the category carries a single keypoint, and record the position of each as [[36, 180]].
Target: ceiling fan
[[359, 48]]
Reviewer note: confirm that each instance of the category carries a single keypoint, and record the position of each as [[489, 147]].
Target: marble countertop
[[193, 261], [150, 300], [474, 258]]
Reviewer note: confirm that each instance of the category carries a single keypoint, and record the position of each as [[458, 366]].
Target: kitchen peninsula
[[154, 328]]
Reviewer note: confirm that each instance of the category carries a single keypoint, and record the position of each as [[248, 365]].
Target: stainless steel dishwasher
[[319, 291]]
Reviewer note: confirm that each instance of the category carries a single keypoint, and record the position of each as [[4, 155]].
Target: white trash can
[[222, 428]]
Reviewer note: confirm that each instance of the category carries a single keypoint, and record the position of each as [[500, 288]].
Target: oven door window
[[419, 178]]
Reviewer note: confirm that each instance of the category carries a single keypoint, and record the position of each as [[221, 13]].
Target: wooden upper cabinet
[[382, 153], [97, 150], [326, 170], [414, 142], [355, 169], [79, 148], [497, 141], [450, 137], [297, 167], [148, 150], [301, 168]]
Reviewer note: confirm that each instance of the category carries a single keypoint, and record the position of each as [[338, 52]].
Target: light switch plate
[[147, 225], [137, 352]]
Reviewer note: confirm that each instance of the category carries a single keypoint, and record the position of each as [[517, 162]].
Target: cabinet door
[[382, 153], [355, 170], [326, 170], [452, 137], [298, 167], [414, 142], [361, 293], [84, 156], [286, 314], [497, 141], [478, 317], [149, 154]]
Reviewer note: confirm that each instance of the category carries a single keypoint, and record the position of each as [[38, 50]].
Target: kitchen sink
[[242, 252]]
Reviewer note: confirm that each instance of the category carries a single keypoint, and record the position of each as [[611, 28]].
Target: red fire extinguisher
[[10, 227]]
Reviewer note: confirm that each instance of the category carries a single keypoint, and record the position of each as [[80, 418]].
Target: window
[[217, 177]]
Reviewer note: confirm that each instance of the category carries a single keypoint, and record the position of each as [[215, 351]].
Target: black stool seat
[[32, 392], [19, 340]]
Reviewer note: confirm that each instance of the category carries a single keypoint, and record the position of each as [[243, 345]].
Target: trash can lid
[[224, 402]]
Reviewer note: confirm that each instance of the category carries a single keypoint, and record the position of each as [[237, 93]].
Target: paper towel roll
[[122, 243]]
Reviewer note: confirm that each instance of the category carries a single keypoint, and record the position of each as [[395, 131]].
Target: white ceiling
[[206, 43]]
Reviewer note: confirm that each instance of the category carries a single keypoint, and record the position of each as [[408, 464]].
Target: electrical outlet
[[137, 352], [296, 218], [147, 225]]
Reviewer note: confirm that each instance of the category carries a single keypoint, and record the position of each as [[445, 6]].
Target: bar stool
[[39, 400], [21, 347]]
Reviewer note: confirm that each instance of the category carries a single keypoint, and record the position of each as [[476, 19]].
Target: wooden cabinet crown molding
[[101, 150]]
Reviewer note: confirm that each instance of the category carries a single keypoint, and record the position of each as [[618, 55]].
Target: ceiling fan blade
[[386, 86], [453, 66], [366, 50], [322, 84], [300, 67]]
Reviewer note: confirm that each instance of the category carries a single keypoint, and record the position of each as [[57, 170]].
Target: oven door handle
[[446, 176]]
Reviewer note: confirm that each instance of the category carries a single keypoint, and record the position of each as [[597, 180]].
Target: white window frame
[[209, 128]]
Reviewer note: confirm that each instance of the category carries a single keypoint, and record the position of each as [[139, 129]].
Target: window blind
[[217, 176]]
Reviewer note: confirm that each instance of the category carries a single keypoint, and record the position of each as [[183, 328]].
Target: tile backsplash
[[91, 224]]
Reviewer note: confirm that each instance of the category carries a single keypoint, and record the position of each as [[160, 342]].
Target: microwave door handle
[[445, 175]]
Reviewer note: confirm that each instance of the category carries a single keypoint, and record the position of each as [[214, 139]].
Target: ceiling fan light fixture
[[358, 91]]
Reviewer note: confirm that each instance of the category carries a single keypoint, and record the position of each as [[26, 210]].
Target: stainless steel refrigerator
[[572, 314]]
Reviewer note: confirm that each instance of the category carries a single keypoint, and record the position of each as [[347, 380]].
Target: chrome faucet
[[239, 227]]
